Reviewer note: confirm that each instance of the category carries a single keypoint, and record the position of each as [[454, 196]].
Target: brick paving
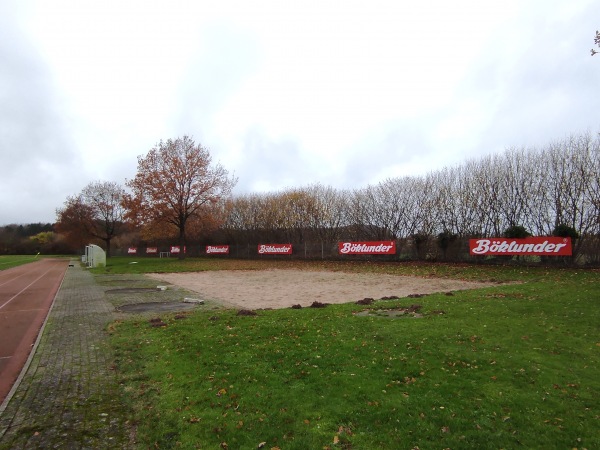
[[69, 396]]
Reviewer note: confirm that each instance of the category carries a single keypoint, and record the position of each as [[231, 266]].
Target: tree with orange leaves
[[97, 213], [177, 188]]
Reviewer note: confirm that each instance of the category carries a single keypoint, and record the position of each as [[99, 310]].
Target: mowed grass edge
[[510, 366], [9, 261]]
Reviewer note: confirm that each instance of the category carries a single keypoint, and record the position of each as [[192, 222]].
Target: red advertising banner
[[274, 249], [543, 246], [176, 249], [132, 250], [220, 249], [151, 250], [367, 248]]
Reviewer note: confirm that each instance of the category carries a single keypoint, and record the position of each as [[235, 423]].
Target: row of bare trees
[[538, 189]]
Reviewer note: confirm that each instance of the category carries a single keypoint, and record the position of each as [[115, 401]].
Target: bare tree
[[373, 219], [97, 212], [329, 213]]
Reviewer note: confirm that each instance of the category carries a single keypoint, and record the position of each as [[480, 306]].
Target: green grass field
[[513, 366], [8, 261]]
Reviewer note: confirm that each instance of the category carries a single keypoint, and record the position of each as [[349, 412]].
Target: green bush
[[516, 232], [563, 230]]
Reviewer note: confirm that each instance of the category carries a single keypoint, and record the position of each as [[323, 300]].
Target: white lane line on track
[[24, 289], [13, 279]]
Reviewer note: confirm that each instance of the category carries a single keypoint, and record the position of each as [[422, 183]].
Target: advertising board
[[217, 249], [367, 248], [541, 246], [274, 249]]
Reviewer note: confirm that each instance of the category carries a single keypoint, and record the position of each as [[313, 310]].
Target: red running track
[[26, 295]]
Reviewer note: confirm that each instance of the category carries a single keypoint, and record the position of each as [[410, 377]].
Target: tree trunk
[[107, 242], [182, 242]]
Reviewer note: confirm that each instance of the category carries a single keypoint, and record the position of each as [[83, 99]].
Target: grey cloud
[[224, 57], [547, 91], [34, 142], [400, 144], [271, 165]]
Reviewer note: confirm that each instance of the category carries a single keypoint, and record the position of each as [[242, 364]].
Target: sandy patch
[[280, 288]]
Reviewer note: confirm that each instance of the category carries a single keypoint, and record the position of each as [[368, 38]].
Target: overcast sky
[[283, 94]]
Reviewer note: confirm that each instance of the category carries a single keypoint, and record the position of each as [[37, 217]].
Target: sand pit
[[280, 288]]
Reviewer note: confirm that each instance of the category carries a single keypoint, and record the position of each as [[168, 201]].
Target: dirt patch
[[281, 288], [411, 311]]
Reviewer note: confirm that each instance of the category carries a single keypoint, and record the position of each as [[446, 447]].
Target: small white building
[[94, 256]]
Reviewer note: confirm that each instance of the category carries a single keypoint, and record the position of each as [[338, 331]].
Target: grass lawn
[[513, 366], [8, 261]]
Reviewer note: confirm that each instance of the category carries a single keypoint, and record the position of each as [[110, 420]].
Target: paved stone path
[[69, 396]]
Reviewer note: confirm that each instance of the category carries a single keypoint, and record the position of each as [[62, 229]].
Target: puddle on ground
[[156, 307], [132, 290]]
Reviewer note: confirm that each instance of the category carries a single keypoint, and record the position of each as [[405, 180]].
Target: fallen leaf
[[336, 439]]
